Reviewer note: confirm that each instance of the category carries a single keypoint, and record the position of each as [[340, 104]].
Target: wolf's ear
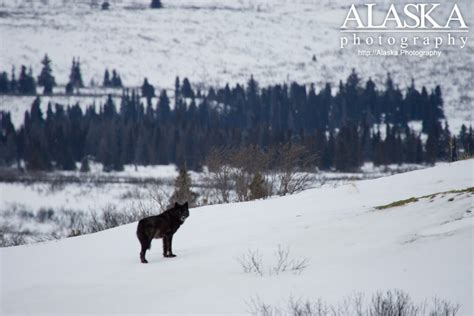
[[176, 204], [186, 205]]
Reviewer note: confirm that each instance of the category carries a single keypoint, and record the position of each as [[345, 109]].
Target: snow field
[[424, 248]]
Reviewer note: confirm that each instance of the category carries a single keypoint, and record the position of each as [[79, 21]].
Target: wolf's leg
[[170, 254], [142, 253], [165, 246], [145, 243]]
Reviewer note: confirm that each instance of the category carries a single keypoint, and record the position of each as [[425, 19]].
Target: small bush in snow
[[110, 217], [250, 173], [12, 239], [284, 263], [47, 223], [252, 262], [389, 303]]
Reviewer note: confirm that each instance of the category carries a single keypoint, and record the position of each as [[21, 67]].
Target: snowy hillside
[[423, 246], [213, 42]]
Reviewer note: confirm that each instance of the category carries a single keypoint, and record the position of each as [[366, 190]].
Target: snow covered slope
[[215, 41], [424, 248]]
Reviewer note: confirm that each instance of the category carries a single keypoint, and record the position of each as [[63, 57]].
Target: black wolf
[[161, 226]]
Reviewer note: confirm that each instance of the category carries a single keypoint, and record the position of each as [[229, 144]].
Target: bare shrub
[[389, 303], [67, 222], [465, 155], [252, 262], [284, 263], [13, 239], [47, 237], [56, 184], [70, 219], [392, 303], [307, 308], [292, 164], [233, 170], [158, 198], [74, 233], [298, 265], [257, 307], [219, 174], [133, 193], [250, 164], [252, 172], [111, 217], [441, 307]]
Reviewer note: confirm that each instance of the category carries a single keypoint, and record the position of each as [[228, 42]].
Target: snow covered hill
[[423, 246], [213, 42]]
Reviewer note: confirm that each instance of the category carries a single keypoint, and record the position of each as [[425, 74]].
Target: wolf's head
[[182, 211]]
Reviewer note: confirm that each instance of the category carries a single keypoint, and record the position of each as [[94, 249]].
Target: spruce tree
[[148, 91], [8, 150], [115, 82], [13, 82], [419, 151], [31, 82], [119, 82], [437, 103], [469, 143], [46, 79], [433, 143], [108, 148], [156, 4], [26, 82], [186, 90], [78, 75], [163, 107], [106, 82], [182, 189], [36, 150], [454, 149], [141, 153], [75, 77], [8, 146], [72, 74], [85, 166], [465, 140], [327, 158], [68, 162], [257, 187], [23, 81], [69, 88], [4, 83], [105, 5]]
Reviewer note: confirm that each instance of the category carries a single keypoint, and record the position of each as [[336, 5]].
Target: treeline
[[113, 81], [26, 84], [341, 128]]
